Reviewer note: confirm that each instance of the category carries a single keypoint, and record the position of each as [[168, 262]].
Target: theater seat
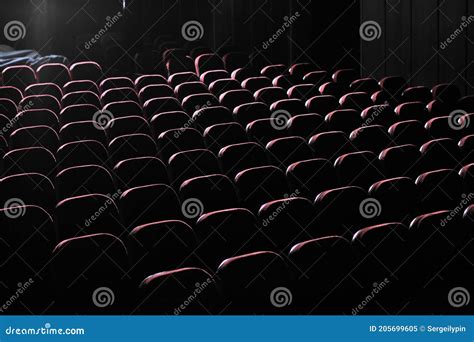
[[135, 172], [237, 157]]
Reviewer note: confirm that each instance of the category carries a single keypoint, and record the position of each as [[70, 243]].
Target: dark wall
[[305, 30], [413, 41]]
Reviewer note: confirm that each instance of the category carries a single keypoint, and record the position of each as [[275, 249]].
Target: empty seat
[[291, 225], [82, 85], [322, 104], [116, 82], [140, 171], [208, 61], [77, 216], [329, 220], [401, 160], [153, 91], [447, 93], [237, 157], [75, 113], [371, 138], [27, 189], [440, 153], [333, 89], [383, 97], [312, 176], [83, 152], [269, 95], [145, 80], [439, 190], [212, 192], [330, 145], [357, 100], [220, 135], [35, 136], [132, 146], [272, 71], [412, 111], [235, 60], [419, 93], [379, 115], [160, 105], [83, 180], [259, 185], [123, 108], [36, 117], [149, 203], [160, 246], [249, 280], [44, 89], [241, 74], [466, 103], [182, 77], [466, 145], [265, 130], [393, 85], [169, 120], [165, 293], [80, 97], [190, 88], [118, 94], [86, 71], [299, 70], [285, 81], [225, 233], [447, 127], [221, 86], [193, 163], [126, 125], [345, 76], [209, 116], [213, 75], [178, 140], [285, 151], [31, 159], [316, 77], [358, 168], [82, 130], [53, 73], [11, 93], [368, 85], [19, 76], [246, 113], [103, 265], [398, 198], [408, 132], [234, 98], [303, 91], [292, 106], [195, 102], [40, 102], [306, 125], [8, 108], [345, 120], [254, 84]]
